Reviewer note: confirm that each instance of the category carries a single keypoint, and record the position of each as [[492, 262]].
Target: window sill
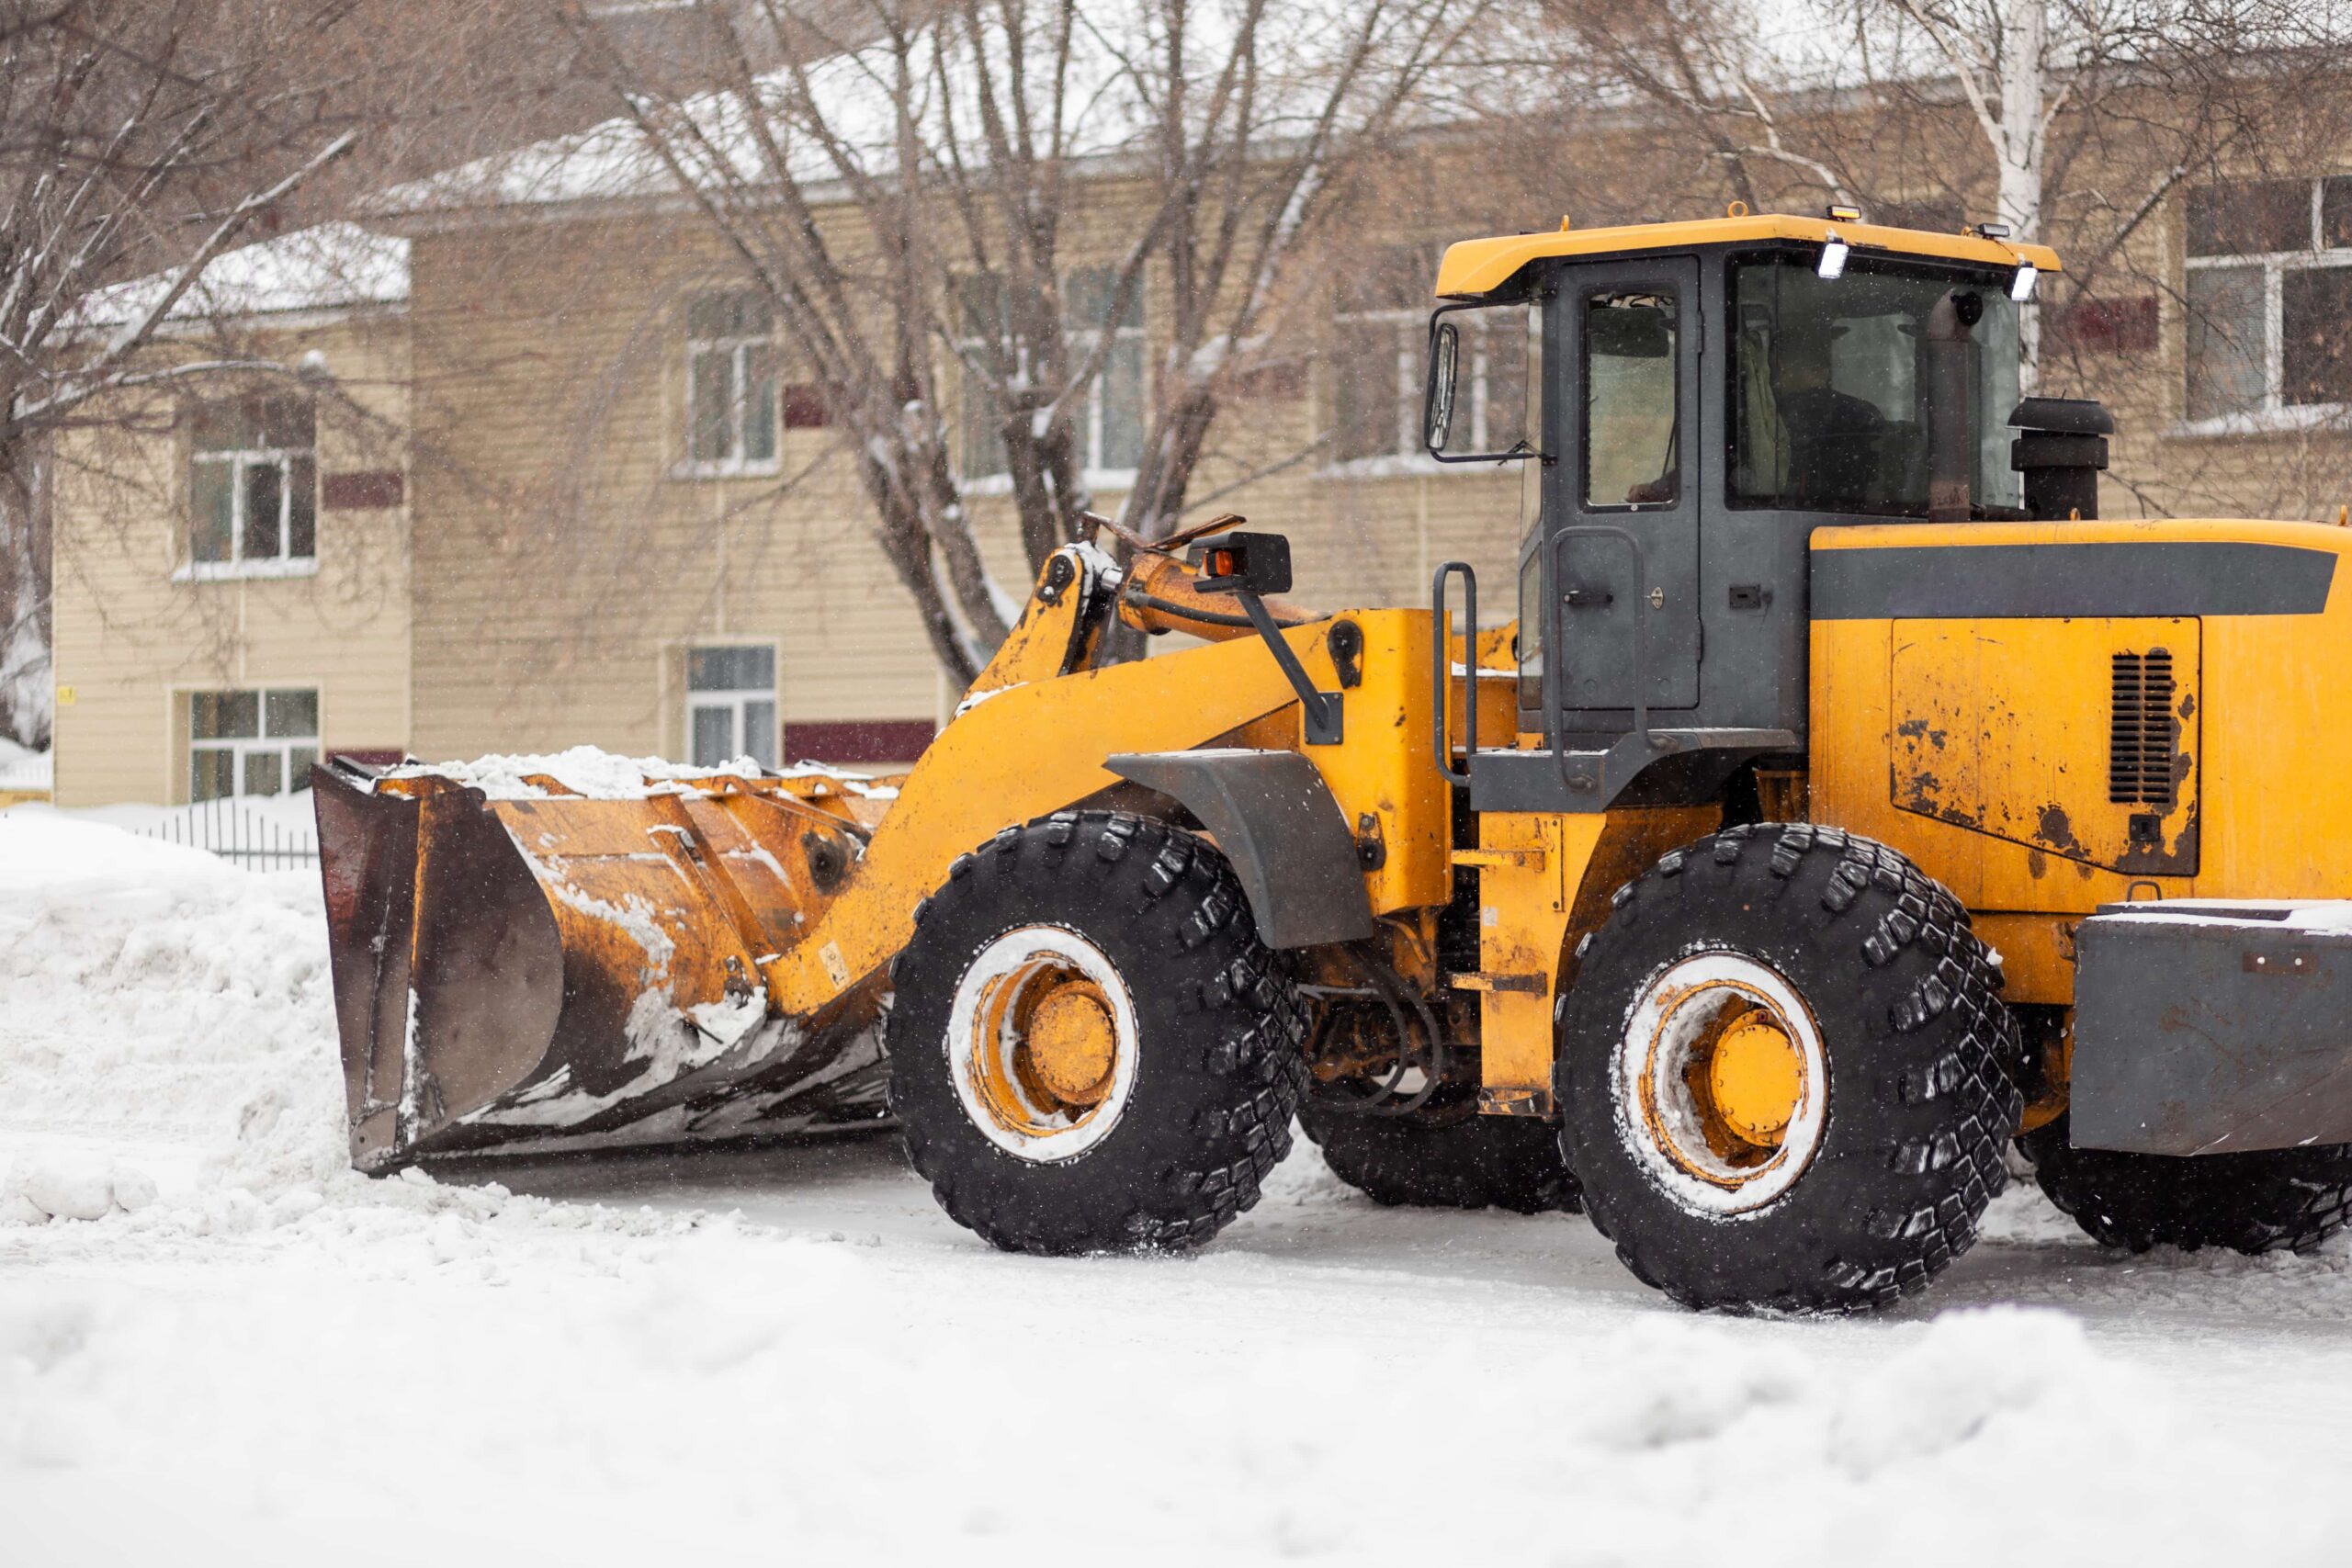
[[245, 571], [1093, 478], [764, 470], [1402, 466], [2297, 421]]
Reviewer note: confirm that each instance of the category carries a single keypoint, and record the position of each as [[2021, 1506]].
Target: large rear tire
[[1446, 1156], [1091, 1050], [2268, 1201], [1782, 1072]]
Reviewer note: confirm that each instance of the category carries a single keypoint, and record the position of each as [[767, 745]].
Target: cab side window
[[1632, 454]]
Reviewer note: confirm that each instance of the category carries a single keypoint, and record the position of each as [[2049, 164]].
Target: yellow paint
[[1385, 770], [1523, 906], [67, 696], [1471, 267], [1035, 741], [2037, 955], [1070, 1043], [1755, 1078], [1545, 879], [2002, 725], [2267, 747]]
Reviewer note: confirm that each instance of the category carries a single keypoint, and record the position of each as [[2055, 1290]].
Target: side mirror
[[1242, 563], [1437, 400]]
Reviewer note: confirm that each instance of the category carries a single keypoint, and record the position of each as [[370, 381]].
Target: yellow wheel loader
[[1845, 800]]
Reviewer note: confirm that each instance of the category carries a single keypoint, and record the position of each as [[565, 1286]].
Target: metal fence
[[240, 835]]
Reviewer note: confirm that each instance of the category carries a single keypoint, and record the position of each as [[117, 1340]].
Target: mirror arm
[[1319, 712]]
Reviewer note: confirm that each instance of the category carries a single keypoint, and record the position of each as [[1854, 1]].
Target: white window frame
[[238, 749], [1077, 342], [737, 349], [239, 461], [733, 701], [2272, 414]]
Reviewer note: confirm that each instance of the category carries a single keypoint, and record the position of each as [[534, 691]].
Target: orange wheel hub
[[1070, 1044]]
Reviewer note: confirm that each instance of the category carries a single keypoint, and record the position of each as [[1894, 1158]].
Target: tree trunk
[[27, 706]]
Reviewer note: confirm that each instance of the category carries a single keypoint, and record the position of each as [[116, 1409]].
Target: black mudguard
[[1275, 820]]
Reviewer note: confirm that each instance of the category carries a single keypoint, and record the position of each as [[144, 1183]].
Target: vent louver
[[2140, 737]]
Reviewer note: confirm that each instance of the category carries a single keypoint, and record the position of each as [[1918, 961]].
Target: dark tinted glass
[[211, 775], [289, 425], [226, 427], [301, 508], [2315, 328], [1829, 388], [1087, 296], [731, 313], [2250, 218], [224, 715], [211, 510], [2336, 211], [291, 716], [731, 669], [264, 501]]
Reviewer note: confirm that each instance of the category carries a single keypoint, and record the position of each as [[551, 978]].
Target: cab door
[[1622, 520]]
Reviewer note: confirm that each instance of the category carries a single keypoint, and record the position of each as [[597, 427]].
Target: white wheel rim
[[983, 1044], [1659, 1118]]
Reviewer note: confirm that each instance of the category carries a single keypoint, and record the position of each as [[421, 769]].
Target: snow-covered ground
[[256, 1356]]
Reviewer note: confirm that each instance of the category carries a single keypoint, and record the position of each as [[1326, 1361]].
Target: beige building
[[548, 478]]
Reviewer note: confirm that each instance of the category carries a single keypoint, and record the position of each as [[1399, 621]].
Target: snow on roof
[[328, 267], [22, 768], [854, 96]]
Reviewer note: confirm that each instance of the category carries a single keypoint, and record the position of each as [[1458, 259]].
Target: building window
[[2270, 299], [1379, 330], [1110, 424], [731, 399], [253, 482], [730, 705], [251, 743]]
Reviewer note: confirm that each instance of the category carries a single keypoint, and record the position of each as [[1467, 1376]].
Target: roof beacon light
[[1845, 214], [1992, 231], [1833, 256], [2022, 285]]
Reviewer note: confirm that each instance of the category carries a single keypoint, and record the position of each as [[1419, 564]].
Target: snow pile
[[757, 1393], [151, 989], [72, 1186], [218, 1343], [160, 1007], [599, 774]]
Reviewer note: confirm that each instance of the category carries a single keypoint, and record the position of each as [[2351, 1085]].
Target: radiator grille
[[2140, 739]]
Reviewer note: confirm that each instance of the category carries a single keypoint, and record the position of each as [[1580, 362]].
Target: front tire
[[1782, 1071], [1091, 1050], [2265, 1201], [1444, 1156]]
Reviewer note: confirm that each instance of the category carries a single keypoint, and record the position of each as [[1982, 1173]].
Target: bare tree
[[2087, 113], [131, 136], [1741, 97], [145, 139], [902, 179]]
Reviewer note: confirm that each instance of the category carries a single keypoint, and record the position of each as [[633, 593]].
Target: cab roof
[[1475, 267]]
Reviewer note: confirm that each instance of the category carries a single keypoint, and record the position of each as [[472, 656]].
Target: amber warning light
[[1243, 563]]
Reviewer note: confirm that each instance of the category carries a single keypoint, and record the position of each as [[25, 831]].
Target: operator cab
[[1687, 403]]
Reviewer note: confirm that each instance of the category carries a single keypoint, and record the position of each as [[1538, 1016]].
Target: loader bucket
[[518, 970]]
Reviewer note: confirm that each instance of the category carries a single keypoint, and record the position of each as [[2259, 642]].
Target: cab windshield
[[1828, 385]]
